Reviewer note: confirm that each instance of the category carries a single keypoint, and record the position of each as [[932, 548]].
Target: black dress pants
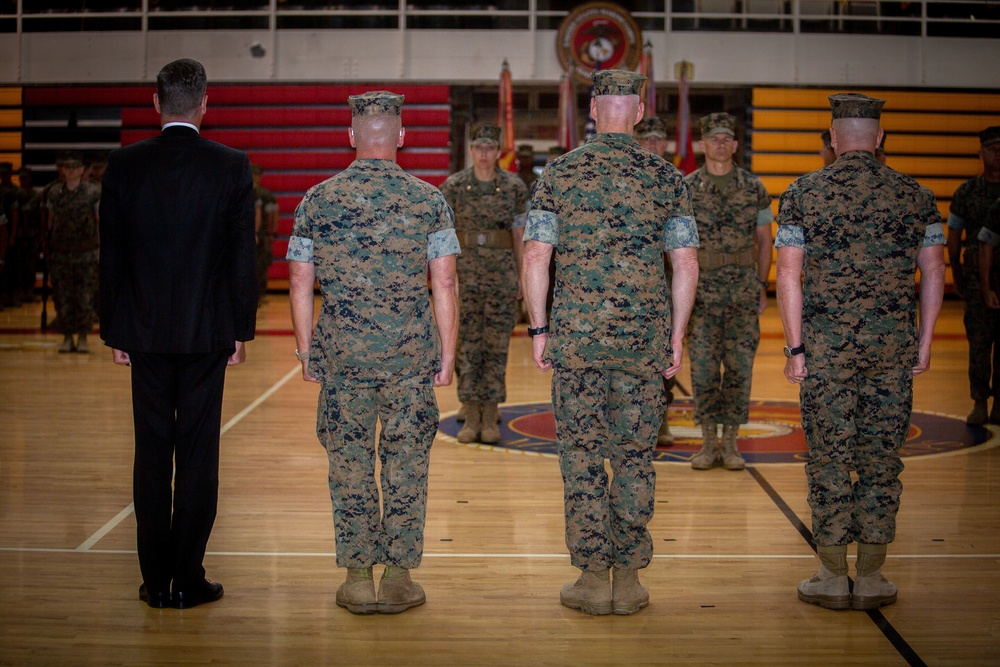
[[177, 408]]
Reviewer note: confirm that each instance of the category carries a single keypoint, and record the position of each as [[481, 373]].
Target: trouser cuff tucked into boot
[[590, 593], [488, 426], [627, 595], [357, 593], [397, 592], [829, 587], [871, 589]]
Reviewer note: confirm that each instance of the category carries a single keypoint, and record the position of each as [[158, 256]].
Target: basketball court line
[[118, 518]]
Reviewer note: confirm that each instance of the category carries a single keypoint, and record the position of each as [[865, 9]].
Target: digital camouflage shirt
[[611, 209], [968, 211], [862, 225], [369, 232], [475, 208], [728, 219], [74, 217]]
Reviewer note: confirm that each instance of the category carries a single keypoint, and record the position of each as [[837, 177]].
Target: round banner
[[598, 35], [773, 434]]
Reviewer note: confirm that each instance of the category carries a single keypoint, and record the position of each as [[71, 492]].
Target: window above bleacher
[[940, 18]]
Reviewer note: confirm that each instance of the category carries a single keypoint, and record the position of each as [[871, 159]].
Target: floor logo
[[773, 435]]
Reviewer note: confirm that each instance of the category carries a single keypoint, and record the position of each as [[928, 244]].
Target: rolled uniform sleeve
[[680, 232], [441, 243], [299, 249], [765, 217], [790, 236], [542, 226]]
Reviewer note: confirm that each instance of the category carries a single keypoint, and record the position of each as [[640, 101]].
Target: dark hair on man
[[180, 87]]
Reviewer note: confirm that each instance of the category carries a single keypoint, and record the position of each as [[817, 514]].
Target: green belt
[[487, 238], [709, 260]]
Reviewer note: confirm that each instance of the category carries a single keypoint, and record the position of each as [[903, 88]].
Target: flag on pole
[[591, 127], [505, 119], [684, 158], [567, 112], [646, 69]]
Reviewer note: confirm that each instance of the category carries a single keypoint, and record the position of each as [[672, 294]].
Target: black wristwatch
[[538, 331], [792, 351]]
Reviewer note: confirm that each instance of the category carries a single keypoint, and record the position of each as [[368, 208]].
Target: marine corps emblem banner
[[596, 36]]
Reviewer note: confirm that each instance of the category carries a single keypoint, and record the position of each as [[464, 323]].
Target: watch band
[[537, 331], [793, 351], [300, 356]]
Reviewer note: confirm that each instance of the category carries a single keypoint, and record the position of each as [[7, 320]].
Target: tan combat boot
[[81, 344], [590, 593], [871, 589], [397, 592], [627, 595], [731, 459], [460, 415], [708, 457], [473, 417], [978, 416], [829, 588], [664, 437], [488, 424], [357, 594]]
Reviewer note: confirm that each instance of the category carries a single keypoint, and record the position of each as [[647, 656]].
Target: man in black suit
[[178, 299]]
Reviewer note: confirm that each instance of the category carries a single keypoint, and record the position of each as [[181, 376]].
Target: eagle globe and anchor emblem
[[595, 36]]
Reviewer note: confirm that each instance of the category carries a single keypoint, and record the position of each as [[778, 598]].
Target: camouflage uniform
[[724, 329], [862, 226], [73, 254], [611, 209], [969, 207], [370, 232], [487, 278], [266, 203]]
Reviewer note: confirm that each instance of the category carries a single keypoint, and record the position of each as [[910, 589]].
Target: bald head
[[855, 134], [616, 113], [377, 136]]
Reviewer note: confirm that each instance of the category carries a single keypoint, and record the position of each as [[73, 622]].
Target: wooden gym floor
[[730, 546]]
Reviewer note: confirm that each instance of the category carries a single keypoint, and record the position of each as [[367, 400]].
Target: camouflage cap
[[376, 103], [989, 136], [718, 123], [651, 127], [482, 133], [525, 149], [617, 82], [855, 105], [70, 159]]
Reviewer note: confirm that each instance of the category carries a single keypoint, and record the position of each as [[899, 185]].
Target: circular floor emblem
[[773, 435]]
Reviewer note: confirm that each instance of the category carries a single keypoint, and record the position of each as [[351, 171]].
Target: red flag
[[684, 158], [505, 119], [567, 112], [646, 69]]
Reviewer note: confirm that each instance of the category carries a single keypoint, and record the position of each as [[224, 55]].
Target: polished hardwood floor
[[730, 546]]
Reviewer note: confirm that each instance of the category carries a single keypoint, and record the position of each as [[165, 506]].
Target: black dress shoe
[[155, 599], [200, 593]]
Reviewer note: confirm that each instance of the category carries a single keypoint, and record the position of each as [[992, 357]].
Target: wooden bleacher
[[296, 133]]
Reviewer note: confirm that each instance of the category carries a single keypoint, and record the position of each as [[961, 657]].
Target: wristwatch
[[538, 330], [792, 351], [301, 356]]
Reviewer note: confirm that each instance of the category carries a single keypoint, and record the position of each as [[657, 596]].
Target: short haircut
[[180, 87]]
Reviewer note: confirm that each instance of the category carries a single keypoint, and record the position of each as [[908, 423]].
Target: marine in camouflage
[[602, 413], [487, 278], [724, 329], [968, 213], [861, 225], [370, 231], [72, 254], [610, 209]]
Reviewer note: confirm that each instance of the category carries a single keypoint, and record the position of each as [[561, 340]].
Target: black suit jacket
[[178, 253]]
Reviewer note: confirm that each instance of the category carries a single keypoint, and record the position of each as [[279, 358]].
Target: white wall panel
[[476, 56], [82, 57], [342, 55]]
